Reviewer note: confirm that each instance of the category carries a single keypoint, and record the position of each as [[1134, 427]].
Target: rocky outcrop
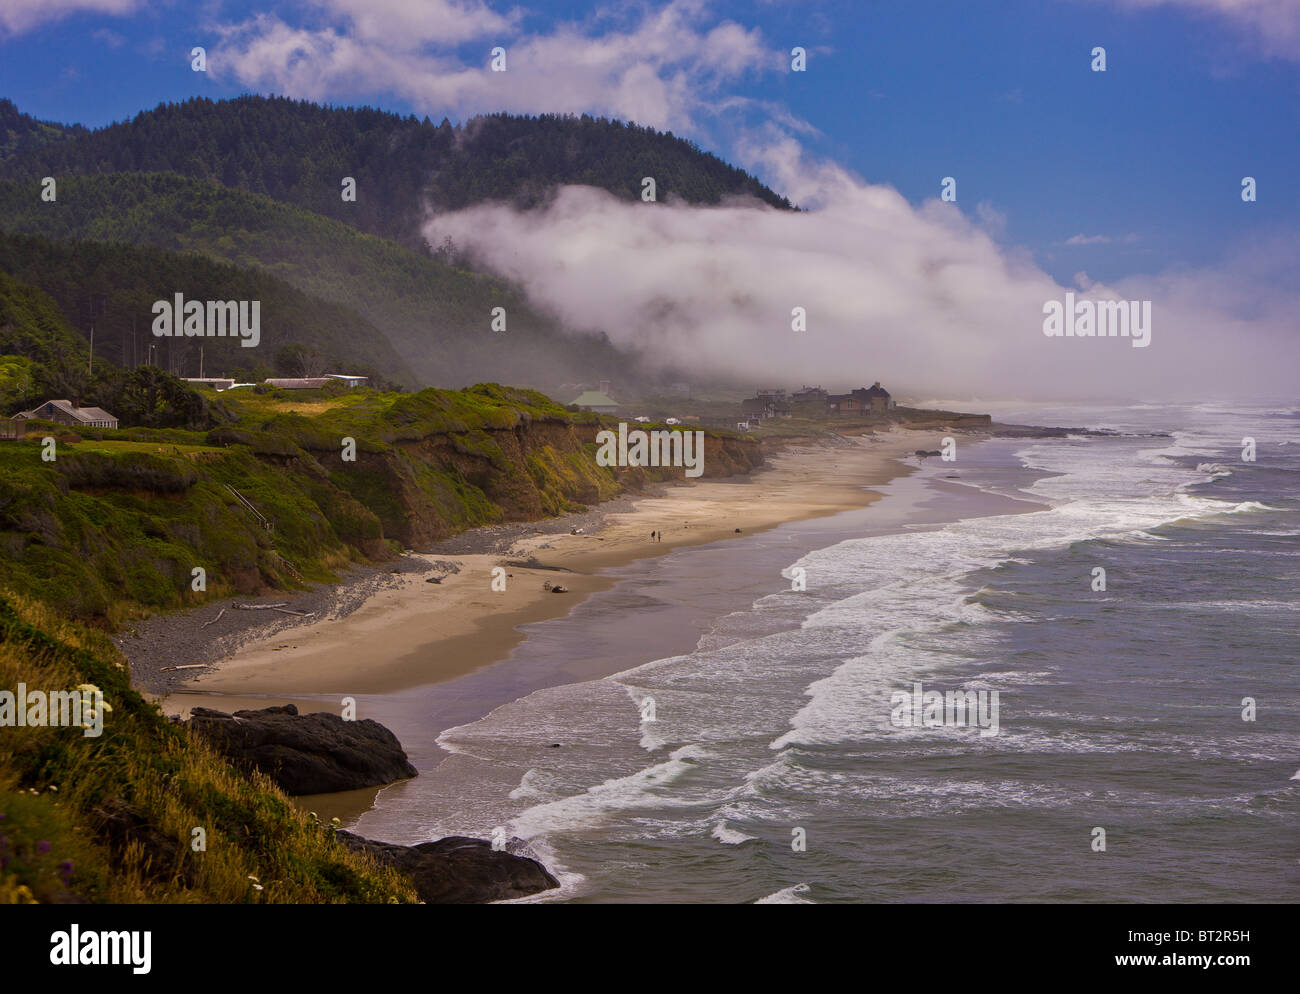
[[460, 870], [305, 754]]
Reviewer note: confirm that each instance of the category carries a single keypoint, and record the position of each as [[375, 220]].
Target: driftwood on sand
[[276, 607], [214, 620]]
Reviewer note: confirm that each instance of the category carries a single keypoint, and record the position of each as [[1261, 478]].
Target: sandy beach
[[409, 632]]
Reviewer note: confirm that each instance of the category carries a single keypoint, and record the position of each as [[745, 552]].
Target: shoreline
[[434, 632]]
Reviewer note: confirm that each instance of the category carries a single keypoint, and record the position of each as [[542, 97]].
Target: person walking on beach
[[652, 536]]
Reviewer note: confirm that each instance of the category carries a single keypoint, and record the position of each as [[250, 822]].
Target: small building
[[350, 381], [217, 383], [865, 400], [876, 398], [842, 404], [64, 412], [594, 400], [298, 382], [809, 402], [12, 429], [766, 404]]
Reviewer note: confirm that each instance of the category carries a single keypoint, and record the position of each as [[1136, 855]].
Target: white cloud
[[1082, 239], [1273, 25], [919, 297], [662, 68], [18, 16], [406, 25]]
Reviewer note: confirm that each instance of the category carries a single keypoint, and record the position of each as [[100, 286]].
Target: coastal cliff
[[291, 490]]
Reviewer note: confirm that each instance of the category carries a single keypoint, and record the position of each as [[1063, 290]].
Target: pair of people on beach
[[658, 536]]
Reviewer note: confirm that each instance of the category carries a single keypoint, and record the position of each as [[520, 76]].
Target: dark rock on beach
[[460, 870], [315, 753]]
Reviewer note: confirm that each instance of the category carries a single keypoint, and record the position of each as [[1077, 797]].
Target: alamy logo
[[655, 448], [209, 319], [954, 709], [1099, 319], [83, 707], [77, 948]]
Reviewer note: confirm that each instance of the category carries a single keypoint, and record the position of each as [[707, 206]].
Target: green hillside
[[435, 315], [114, 286]]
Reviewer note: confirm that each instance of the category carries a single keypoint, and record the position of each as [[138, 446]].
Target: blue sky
[[1149, 154], [1130, 174]]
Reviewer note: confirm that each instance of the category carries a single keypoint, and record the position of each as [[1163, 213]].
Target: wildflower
[[252, 878], [53, 787], [257, 887], [43, 846]]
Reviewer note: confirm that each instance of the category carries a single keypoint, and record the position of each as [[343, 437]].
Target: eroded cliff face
[[114, 527], [430, 488]]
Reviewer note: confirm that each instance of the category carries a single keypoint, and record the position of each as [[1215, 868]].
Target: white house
[[350, 381]]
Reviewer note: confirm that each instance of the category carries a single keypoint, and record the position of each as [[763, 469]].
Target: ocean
[[704, 732]]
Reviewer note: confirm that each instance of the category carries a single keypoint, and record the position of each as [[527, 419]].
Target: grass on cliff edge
[[58, 786]]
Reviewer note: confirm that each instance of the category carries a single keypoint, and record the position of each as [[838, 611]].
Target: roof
[[299, 382], [594, 398], [876, 390], [78, 413]]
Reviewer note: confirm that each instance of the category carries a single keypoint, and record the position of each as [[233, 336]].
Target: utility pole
[[91, 359]]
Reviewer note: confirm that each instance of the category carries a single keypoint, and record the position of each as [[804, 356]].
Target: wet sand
[[416, 633]]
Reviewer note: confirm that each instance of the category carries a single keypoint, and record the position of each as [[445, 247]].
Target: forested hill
[[299, 152], [20, 132]]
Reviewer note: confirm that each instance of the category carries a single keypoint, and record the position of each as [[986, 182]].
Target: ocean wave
[[1216, 471], [798, 894], [528, 789], [729, 836], [645, 787]]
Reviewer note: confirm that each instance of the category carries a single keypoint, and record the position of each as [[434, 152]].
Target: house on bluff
[[64, 412], [874, 399], [767, 403], [597, 400]]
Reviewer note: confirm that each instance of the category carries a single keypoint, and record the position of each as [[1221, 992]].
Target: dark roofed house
[[877, 398], [766, 404], [64, 412], [864, 400], [810, 401], [843, 403]]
